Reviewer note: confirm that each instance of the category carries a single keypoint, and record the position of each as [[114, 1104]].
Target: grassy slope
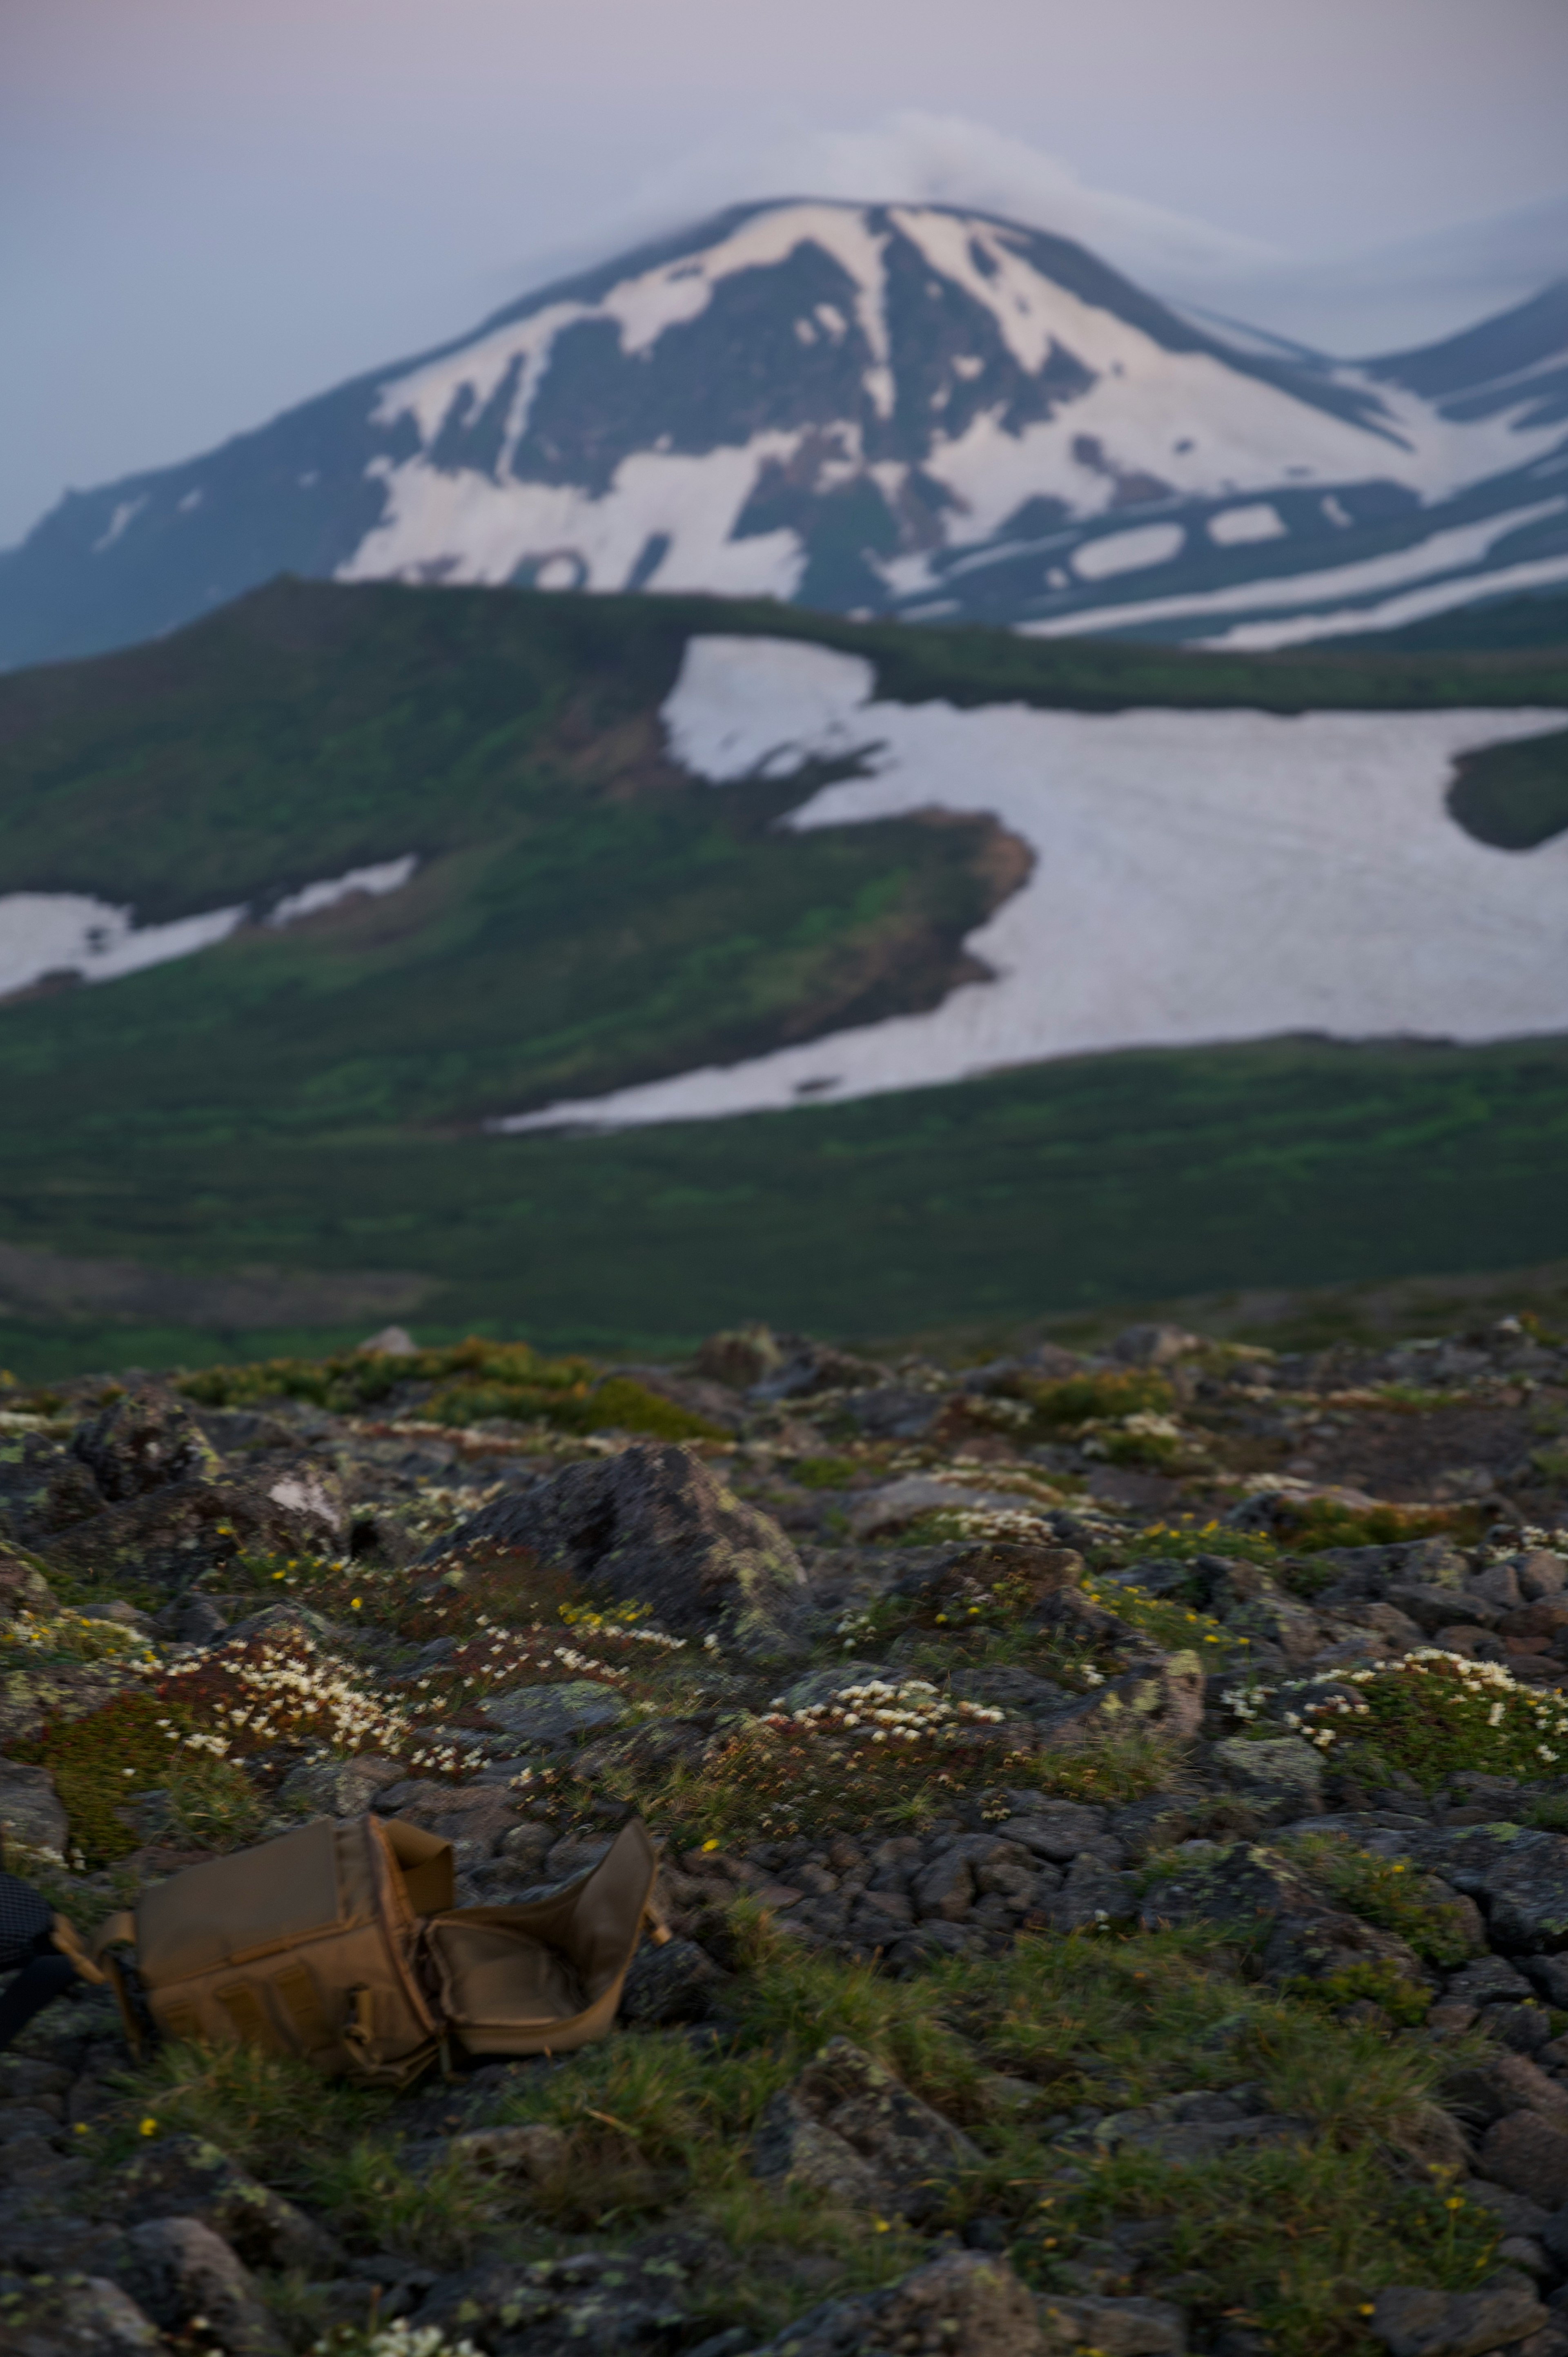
[[1066, 1187], [586, 916]]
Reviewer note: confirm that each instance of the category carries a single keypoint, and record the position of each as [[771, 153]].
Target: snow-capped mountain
[[904, 410]]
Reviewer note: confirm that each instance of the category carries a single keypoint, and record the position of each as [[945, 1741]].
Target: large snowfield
[[1198, 876]]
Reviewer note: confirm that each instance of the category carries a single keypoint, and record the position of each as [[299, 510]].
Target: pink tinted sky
[[211, 208]]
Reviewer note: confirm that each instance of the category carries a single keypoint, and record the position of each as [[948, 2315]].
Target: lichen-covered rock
[[677, 1982], [142, 1441], [1113, 2328], [1525, 1894], [23, 1588], [652, 1526], [1280, 1777], [187, 2177], [1092, 1897], [596, 2301], [1166, 1702], [849, 2127], [177, 2270], [1419, 2324], [962, 2304], [31, 1812], [1328, 1942], [557, 1714], [1529, 2155], [83, 2316], [169, 1534]]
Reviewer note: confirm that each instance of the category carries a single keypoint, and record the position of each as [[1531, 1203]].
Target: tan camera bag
[[340, 1943]]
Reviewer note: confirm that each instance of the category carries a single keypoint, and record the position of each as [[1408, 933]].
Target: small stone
[[850, 2129], [963, 2303], [1530, 2155], [89, 2318], [557, 1714], [180, 2269], [1113, 2327], [1155, 1345], [1092, 1895], [946, 1887], [1419, 2324], [674, 1982], [1281, 1775], [200, 1622]]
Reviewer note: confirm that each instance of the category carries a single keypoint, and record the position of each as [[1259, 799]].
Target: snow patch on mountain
[[1198, 876], [1124, 407], [1393, 613], [370, 883], [460, 526], [44, 934], [1454, 553]]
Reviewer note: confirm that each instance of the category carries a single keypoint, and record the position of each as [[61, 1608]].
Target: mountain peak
[[918, 409]]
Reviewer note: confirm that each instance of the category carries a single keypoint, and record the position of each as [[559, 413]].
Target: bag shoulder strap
[[120, 1926], [69, 1942]]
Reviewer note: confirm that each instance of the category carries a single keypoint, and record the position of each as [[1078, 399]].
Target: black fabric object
[[24, 1916], [39, 1982]]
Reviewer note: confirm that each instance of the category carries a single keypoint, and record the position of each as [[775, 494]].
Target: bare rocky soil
[[1113, 1820]]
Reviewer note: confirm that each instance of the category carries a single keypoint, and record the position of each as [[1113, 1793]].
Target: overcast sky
[[209, 209]]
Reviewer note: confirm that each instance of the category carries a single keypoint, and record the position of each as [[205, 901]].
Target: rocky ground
[[1111, 1820]]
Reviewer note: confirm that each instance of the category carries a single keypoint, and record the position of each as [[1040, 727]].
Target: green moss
[[1442, 1715], [1082, 1398], [1174, 1626], [1387, 1892], [465, 1384], [826, 1472], [132, 1745], [1379, 1981], [1319, 1522]]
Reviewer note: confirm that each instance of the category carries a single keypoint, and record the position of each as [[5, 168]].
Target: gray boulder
[[652, 1526], [557, 1714], [185, 2177], [1113, 2327], [84, 2315], [31, 1812], [598, 2301], [1166, 1702], [849, 2128], [142, 1441], [1418, 2323], [1279, 1779], [179, 2270], [963, 2301], [671, 1983]]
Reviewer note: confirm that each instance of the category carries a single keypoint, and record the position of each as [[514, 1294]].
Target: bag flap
[[424, 1863], [258, 1900], [550, 1960], [493, 1975]]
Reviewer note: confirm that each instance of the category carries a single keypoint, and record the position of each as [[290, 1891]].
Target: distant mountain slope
[[553, 904], [900, 410], [448, 855]]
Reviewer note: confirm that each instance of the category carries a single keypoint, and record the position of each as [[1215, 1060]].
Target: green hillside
[[584, 916]]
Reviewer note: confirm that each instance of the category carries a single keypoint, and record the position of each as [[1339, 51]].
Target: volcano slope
[[1112, 1818]]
